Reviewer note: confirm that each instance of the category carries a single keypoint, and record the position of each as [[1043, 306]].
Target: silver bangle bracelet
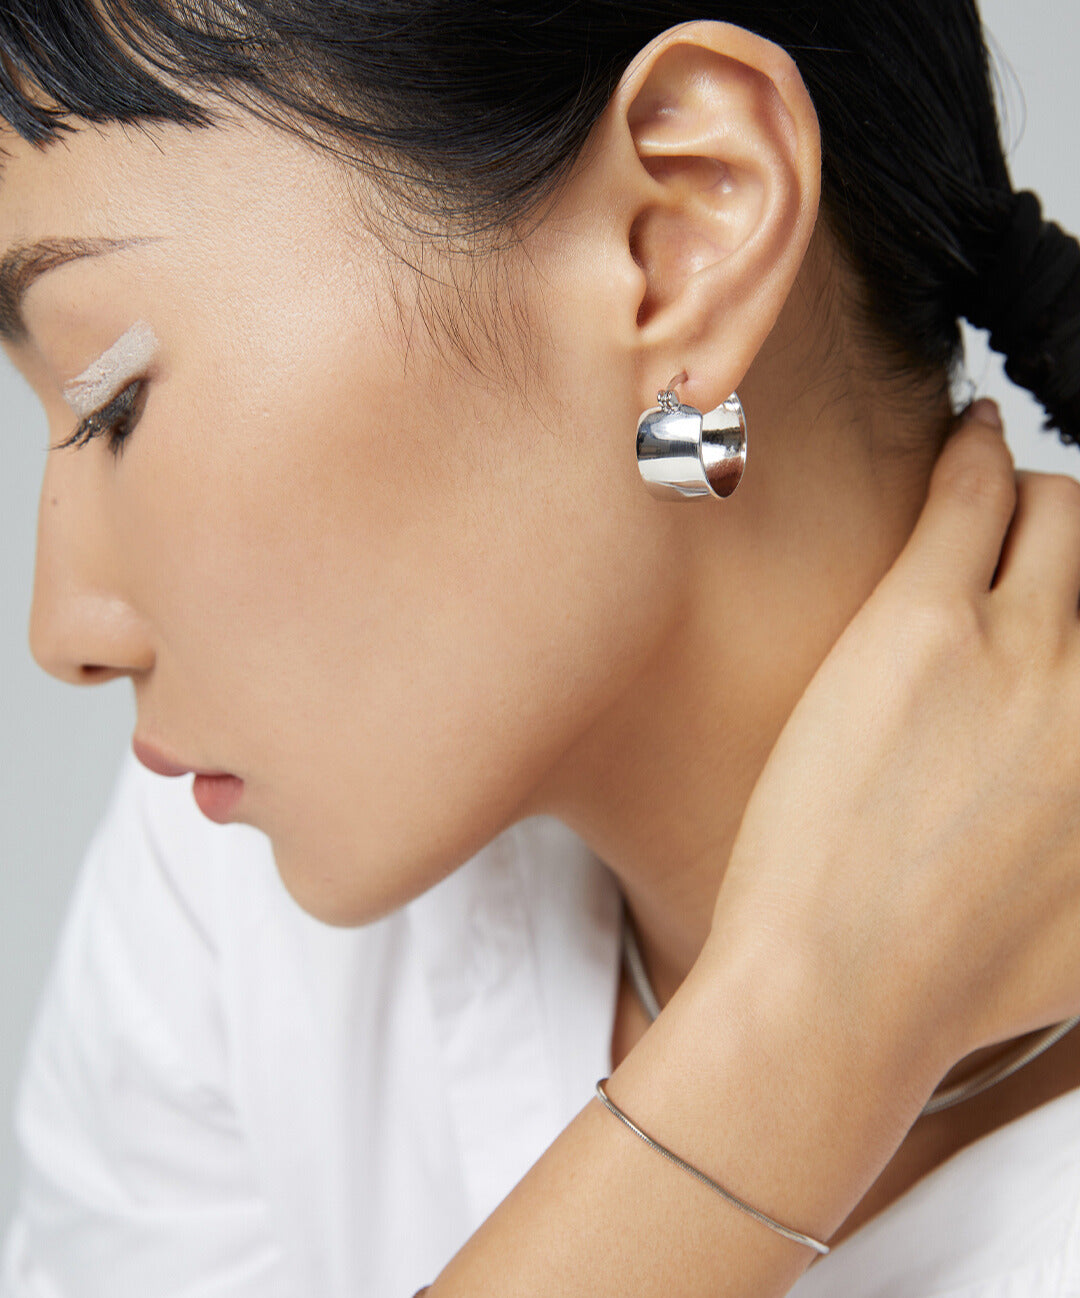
[[796, 1236]]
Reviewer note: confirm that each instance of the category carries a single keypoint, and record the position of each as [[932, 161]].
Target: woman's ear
[[715, 175]]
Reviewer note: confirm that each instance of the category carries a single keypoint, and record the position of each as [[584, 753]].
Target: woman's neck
[[658, 783], [763, 583]]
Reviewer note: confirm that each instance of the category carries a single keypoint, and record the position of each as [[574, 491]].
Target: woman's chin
[[345, 889]]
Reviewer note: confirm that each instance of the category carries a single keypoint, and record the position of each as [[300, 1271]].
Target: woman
[[345, 383]]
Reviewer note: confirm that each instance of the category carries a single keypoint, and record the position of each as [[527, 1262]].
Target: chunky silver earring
[[682, 453]]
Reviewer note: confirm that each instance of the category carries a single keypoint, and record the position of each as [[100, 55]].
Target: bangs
[[105, 61], [125, 60], [404, 90], [98, 62]]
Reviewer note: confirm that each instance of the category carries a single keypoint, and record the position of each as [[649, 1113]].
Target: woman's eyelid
[[127, 405], [114, 370]]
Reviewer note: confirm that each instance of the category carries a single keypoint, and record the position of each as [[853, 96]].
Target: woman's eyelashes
[[114, 421]]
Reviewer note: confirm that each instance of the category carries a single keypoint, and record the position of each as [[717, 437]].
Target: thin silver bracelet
[[795, 1235]]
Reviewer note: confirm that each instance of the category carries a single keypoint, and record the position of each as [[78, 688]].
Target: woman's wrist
[[752, 1077], [875, 1000], [762, 1065]]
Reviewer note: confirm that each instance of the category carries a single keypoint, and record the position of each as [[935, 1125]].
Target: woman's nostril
[[91, 674]]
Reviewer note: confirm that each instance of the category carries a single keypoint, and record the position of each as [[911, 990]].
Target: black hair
[[478, 109]]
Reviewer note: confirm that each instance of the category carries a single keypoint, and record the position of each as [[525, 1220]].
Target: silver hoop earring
[[683, 454]]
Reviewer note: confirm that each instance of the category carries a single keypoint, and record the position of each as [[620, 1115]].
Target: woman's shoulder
[[197, 1020], [201, 915], [535, 875]]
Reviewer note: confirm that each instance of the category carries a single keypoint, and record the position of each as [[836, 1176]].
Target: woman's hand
[[904, 887], [915, 832]]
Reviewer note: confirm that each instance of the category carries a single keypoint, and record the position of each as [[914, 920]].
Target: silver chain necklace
[[943, 1097]]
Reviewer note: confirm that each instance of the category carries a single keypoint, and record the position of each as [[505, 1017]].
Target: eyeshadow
[[106, 377]]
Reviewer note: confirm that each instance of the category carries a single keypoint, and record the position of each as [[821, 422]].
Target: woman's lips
[[217, 795], [216, 792]]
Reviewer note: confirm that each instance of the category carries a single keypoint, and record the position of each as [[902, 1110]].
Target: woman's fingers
[[988, 527], [1040, 560], [915, 827], [956, 543]]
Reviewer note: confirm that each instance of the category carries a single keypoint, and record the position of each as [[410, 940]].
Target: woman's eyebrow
[[25, 263]]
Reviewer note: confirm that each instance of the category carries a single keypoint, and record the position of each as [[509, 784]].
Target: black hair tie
[[1027, 294]]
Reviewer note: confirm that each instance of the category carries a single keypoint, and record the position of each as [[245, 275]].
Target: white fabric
[[224, 1098]]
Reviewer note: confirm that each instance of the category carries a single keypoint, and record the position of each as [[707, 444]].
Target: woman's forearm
[[837, 986], [766, 1079]]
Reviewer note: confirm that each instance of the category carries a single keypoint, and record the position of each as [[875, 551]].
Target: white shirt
[[225, 1098]]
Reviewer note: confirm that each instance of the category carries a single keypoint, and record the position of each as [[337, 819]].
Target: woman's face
[[386, 588]]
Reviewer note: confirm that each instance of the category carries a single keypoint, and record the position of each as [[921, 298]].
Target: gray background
[[63, 745]]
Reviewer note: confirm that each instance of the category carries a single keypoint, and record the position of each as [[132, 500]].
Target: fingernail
[[986, 412]]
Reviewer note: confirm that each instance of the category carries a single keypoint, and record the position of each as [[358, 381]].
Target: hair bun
[[1026, 291]]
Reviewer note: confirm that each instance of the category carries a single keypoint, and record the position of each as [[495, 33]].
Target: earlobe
[[724, 130]]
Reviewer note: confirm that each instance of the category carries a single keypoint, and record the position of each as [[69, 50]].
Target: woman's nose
[[83, 628]]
